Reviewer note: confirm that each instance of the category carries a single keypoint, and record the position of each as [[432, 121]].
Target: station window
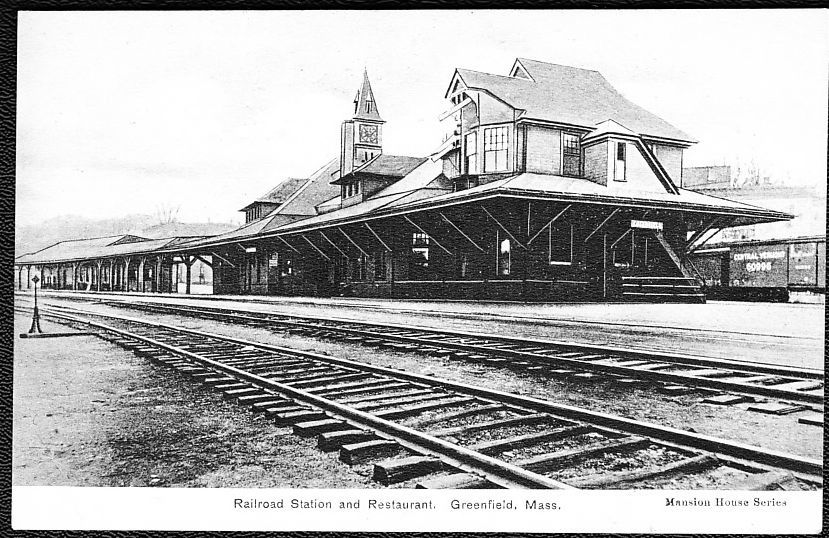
[[420, 255], [349, 190], [380, 265], [496, 149], [560, 243], [471, 142], [358, 268], [571, 154], [504, 257], [356, 188], [620, 162]]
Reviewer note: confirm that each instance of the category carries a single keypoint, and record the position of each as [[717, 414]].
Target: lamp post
[[35, 315]]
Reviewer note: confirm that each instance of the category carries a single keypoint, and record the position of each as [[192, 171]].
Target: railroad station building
[[549, 185]]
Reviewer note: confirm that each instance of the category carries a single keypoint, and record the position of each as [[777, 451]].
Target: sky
[[132, 112]]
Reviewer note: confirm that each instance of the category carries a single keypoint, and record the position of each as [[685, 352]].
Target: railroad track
[[442, 434], [726, 382]]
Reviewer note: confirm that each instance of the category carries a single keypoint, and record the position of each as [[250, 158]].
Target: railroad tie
[[284, 407], [235, 384], [356, 453], [293, 417], [413, 400], [776, 408], [697, 463], [393, 471], [727, 399], [334, 440], [250, 399], [232, 394], [489, 408], [358, 388], [386, 396], [521, 420], [814, 419], [560, 459], [519, 441], [403, 412], [315, 427], [217, 381], [456, 481]]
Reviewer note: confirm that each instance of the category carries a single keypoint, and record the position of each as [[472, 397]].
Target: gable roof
[[280, 193], [300, 204], [394, 166], [572, 96]]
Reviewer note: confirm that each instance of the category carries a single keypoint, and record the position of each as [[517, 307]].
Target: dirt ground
[[87, 413]]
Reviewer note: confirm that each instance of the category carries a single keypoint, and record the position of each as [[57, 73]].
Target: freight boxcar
[[763, 270]]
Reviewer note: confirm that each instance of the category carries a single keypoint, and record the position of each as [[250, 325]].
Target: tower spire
[[361, 139], [365, 107]]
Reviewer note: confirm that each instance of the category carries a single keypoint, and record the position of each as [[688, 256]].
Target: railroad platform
[[775, 333]]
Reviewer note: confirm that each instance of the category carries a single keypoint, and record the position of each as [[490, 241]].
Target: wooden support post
[[140, 287], [604, 266], [126, 283], [99, 264], [28, 277], [158, 275], [188, 262], [111, 273]]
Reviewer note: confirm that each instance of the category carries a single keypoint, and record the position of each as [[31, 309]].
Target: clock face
[[368, 133]]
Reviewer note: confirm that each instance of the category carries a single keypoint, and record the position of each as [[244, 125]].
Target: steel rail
[[348, 327], [494, 470], [719, 446], [679, 358]]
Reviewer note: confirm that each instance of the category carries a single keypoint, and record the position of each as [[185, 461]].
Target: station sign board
[[759, 266], [646, 225]]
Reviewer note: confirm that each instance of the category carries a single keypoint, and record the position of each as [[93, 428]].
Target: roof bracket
[[550, 223], [506, 231], [431, 239], [455, 226], [599, 227]]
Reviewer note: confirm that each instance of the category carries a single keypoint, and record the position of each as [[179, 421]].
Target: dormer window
[[571, 154], [369, 105], [620, 163], [496, 149]]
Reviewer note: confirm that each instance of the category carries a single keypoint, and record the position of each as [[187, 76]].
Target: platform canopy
[[80, 250]]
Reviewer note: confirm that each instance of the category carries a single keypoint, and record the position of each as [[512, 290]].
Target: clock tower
[[361, 139]]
